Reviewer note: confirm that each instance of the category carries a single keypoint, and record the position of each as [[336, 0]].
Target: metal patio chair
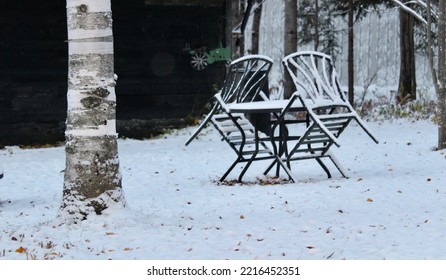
[[244, 82], [329, 112]]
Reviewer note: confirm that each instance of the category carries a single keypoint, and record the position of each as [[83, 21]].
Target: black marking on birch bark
[[90, 21], [82, 8], [79, 62], [100, 92], [95, 98], [91, 102], [94, 116]]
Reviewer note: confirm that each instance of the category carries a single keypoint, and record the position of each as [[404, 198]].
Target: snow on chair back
[[315, 78], [314, 73], [245, 78]]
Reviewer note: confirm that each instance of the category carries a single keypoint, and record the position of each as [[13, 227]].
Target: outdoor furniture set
[[318, 104]]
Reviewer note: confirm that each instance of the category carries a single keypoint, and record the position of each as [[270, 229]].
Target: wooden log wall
[[33, 68], [156, 89]]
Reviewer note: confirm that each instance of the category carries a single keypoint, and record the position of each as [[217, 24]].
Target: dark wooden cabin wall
[[33, 71], [156, 87], [156, 80]]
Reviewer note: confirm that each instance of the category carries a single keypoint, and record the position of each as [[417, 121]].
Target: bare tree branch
[[410, 10]]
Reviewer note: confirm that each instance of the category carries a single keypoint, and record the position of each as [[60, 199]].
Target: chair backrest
[[245, 78], [314, 73]]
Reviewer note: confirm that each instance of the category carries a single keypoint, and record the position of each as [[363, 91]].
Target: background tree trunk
[[351, 63], [256, 28], [238, 40], [407, 86], [441, 94], [290, 40], [316, 25], [92, 176]]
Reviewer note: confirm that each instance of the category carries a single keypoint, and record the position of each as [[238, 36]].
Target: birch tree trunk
[[92, 180]]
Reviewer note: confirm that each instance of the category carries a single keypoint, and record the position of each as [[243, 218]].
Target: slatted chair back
[[245, 79], [315, 78], [314, 73]]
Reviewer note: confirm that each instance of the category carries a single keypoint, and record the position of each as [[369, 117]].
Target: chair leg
[[283, 150], [202, 125], [321, 163], [279, 163], [338, 165], [270, 167], [285, 167], [323, 167], [229, 170], [247, 166]]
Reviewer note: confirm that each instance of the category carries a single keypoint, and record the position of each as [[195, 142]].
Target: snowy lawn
[[392, 207]]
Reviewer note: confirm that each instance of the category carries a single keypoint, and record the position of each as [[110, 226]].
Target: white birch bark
[[92, 180]]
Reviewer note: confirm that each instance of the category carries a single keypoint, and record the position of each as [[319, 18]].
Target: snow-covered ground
[[392, 206]]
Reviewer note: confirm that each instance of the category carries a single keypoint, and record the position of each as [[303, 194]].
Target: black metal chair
[[329, 112], [244, 82]]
